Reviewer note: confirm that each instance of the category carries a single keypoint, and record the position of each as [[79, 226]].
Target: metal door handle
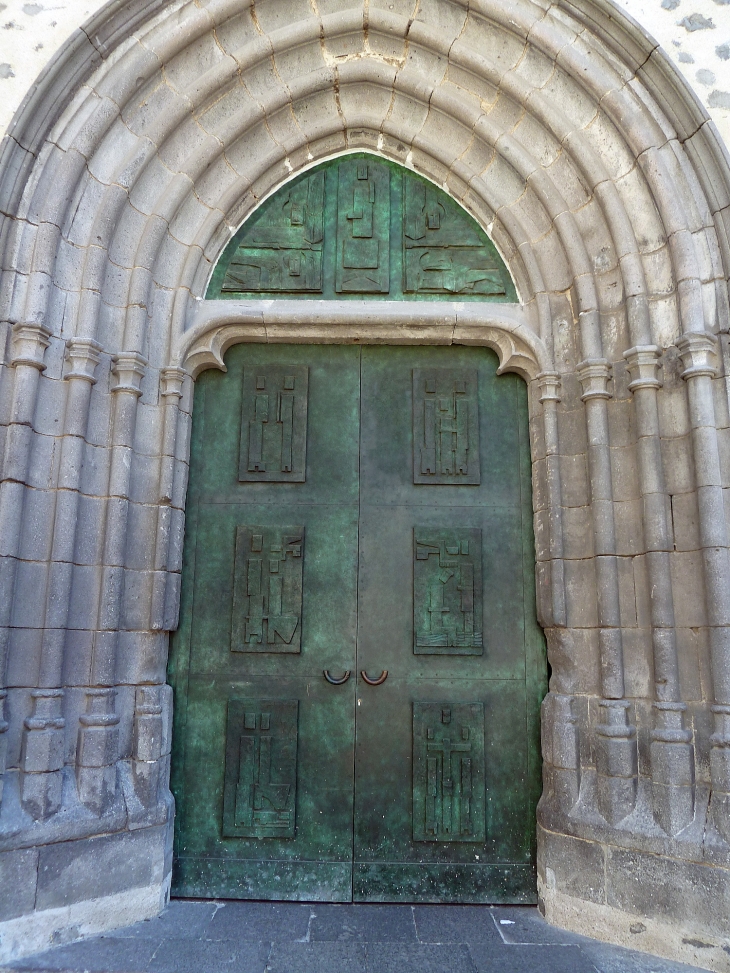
[[374, 682], [336, 682]]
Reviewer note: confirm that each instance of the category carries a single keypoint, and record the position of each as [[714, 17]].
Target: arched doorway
[[359, 667]]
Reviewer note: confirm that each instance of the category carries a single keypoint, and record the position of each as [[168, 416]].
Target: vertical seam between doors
[[357, 622]]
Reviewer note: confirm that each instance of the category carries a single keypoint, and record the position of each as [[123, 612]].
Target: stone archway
[[567, 134]]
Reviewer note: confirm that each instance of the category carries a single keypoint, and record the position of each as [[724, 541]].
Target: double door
[[358, 670]]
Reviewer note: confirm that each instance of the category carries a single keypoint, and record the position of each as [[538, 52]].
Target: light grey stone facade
[[565, 131]]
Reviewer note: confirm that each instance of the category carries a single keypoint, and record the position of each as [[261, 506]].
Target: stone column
[[560, 731], [549, 383], [41, 779], [97, 751], [147, 747], [698, 350], [672, 752], [165, 599], [82, 357], [129, 369], [615, 735], [3, 740]]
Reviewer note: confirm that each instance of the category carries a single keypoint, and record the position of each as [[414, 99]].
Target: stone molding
[[217, 325]]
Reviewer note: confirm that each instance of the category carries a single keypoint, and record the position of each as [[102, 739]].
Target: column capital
[[171, 381], [100, 708], [82, 355], [594, 374], [549, 382], [129, 368], [29, 345], [643, 362], [698, 350]]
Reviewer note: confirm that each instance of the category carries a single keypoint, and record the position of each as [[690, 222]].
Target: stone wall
[[576, 144]]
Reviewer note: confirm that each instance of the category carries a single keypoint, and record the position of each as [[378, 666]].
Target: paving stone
[[363, 923], [98, 955], [316, 958], [531, 959], [194, 956], [258, 921], [614, 959], [527, 927], [454, 924], [430, 958], [180, 920]]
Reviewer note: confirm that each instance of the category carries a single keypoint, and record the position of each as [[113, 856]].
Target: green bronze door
[[361, 511]]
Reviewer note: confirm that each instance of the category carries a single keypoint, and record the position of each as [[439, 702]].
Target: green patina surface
[[422, 788], [358, 510], [361, 227]]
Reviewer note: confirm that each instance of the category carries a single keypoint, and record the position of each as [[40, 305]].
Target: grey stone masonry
[[565, 131]]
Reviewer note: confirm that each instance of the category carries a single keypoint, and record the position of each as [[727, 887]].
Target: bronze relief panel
[[267, 590], [447, 591], [261, 768], [446, 426], [274, 424], [448, 772]]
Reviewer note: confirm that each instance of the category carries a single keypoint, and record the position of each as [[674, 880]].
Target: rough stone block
[[90, 524], [40, 794], [97, 787], [687, 585], [141, 536], [574, 488], [629, 528], [19, 873], [85, 596], [580, 594], [656, 887], [577, 533], [142, 657], [24, 657], [573, 866], [72, 871]]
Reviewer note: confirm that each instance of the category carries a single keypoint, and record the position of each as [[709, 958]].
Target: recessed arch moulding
[[568, 135]]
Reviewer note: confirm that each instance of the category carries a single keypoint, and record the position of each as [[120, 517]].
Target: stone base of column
[[72, 889], [660, 905]]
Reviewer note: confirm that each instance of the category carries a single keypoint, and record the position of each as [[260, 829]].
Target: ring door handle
[[336, 682], [374, 682]]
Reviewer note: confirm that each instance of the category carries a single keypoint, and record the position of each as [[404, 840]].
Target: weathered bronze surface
[[360, 226], [417, 780]]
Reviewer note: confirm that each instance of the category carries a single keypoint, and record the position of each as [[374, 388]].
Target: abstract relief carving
[[447, 591], [448, 772], [274, 424], [267, 590], [361, 225], [363, 228], [445, 426], [283, 250], [261, 768], [444, 251]]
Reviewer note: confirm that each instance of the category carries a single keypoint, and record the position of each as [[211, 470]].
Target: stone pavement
[[267, 937]]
